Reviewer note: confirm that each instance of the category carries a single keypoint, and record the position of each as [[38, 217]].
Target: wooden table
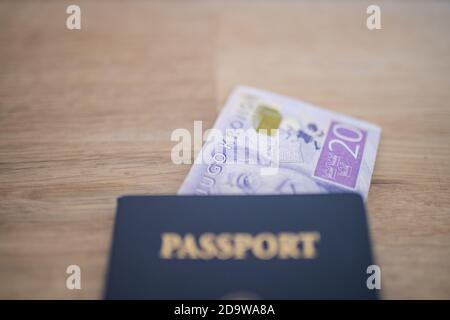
[[86, 116]]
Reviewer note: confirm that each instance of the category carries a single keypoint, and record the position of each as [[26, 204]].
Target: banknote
[[265, 143]]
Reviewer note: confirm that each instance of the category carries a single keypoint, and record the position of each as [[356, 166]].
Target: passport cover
[[226, 247]]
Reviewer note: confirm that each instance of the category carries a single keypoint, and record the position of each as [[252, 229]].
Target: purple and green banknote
[[265, 143]]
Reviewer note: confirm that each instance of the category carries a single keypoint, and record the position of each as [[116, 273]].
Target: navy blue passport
[[239, 247]]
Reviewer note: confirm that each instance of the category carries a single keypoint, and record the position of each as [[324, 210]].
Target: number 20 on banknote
[[341, 155]]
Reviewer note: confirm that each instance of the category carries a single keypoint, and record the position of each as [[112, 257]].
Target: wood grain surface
[[86, 116]]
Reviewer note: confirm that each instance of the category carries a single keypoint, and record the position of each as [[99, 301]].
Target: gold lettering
[[170, 242], [308, 240], [288, 246], [242, 243], [189, 248], [265, 245], [225, 246], [206, 242], [265, 252]]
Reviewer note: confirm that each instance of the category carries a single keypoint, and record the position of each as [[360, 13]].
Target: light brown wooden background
[[86, 116]]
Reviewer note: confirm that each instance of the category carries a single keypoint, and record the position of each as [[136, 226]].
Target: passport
[[312, 246]]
